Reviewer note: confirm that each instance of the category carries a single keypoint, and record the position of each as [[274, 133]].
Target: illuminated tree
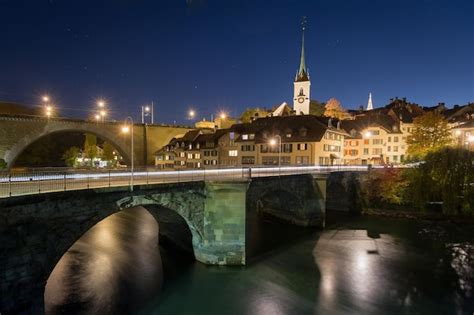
[[250, 113], [70, 156], [430, 133], [108, 153], [334, 109], [90, 147]]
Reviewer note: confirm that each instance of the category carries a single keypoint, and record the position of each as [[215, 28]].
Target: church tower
[[369, 103], [302, 84]]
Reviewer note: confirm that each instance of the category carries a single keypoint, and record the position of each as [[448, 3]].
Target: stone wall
[[296, 199], [343, 191]]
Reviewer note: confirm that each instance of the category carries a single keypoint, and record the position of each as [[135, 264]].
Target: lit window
[[245, 137], [232, 152]]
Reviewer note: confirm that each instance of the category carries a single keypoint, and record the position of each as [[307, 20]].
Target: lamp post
[[191, 114], [47, 107], [128, 128], [273, 142], [147, 111]]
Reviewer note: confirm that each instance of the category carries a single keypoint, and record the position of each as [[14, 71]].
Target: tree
[[316, 108], [250, 113], [108, 153], [70, 156], [3, 164], [334, 109], [430, 133], [90, 147], [445, 176]]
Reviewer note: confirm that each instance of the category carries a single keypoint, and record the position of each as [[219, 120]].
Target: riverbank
[[419, 216]]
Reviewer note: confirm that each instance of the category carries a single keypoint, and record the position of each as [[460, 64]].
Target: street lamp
[[102, 114], [128, 128], [223, 115], [191, 114], [274, 142], [101, 103], [367, 134], [147, 111], [97, 117], [47, 107]]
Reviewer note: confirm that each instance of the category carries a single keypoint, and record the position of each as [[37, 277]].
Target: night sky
[[230, 55]]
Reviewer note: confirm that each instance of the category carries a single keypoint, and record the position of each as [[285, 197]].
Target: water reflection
[[113, 269]]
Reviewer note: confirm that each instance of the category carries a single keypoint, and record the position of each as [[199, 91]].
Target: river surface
[[354, 266]]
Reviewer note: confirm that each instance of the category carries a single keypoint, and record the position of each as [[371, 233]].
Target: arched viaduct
[[18, 132]]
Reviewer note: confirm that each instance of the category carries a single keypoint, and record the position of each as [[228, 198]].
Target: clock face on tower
[[300, 99]]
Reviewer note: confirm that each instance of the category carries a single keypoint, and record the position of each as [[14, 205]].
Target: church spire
[[302, 74], [369, 103]]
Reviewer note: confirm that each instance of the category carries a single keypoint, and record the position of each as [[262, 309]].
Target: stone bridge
[[35, 231], [18, 132]]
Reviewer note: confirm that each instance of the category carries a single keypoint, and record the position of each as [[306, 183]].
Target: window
[[395, 158], [190, 146], [287, 147], [207, 153], [245, 137], [353, 152], [389, 149], [233, 153], [197, 156], [214, 162], [248, 160], [214, 153], [377, 151], [301, 92], [231, 135], [190, 156], [366, 141], [366, 151], [389, 139], [395, 149], [270, 160], [182, 154], [332, 148], [248, 147], [395, 139], [374, 132], [324, 160], [302, 146], [377, 141], [285, 160], [288, 135], [302, 160]]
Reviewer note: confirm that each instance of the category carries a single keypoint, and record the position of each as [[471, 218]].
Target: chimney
[[339, 125], [330, 123]]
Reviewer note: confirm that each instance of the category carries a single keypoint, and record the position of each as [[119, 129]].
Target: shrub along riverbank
[[439, 187]]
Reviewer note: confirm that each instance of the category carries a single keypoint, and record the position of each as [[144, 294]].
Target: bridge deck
[[29, 183]]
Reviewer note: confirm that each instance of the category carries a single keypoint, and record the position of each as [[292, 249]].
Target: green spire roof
[[302, 74]]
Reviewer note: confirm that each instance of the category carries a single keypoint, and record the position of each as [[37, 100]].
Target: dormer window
[[245, 137], [303, 132], [197, 145], [190, 146], [288, 135]]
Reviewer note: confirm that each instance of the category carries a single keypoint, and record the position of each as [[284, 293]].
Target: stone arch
[[18, 148]]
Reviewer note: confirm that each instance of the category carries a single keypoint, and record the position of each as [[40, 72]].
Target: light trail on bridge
[[34, 182]]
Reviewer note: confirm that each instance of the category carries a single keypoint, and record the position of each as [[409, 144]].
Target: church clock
[[300, 99]]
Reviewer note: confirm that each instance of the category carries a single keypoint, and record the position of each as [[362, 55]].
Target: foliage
[[3, 164], [384, 187], [90, 147], [316, 108], [250, 113], [108, 153], [430, 133], [334, 109], [70, 156], [445, 176]]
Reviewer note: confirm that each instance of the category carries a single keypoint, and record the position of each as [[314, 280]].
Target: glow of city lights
[[125, 129]]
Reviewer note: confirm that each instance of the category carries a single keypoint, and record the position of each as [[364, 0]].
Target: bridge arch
[[22, 144]]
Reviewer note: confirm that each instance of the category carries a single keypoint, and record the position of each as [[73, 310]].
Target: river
[[360, 265]]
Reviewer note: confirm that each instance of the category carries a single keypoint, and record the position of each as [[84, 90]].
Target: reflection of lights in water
[[361, 261]]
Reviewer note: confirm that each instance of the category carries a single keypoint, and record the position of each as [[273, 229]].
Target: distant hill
[[13, 108]]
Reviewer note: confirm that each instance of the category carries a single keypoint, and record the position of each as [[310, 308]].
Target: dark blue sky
[[213, 55]]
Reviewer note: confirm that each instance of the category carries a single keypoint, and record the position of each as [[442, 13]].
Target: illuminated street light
[[458, 132], [147, 111], [128, 128], [223, 115], [367, 134], [101, 103], [191, 114], [45, 98], [274, 142], [97, 117]]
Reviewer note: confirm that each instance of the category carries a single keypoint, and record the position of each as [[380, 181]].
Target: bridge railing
[[27, 182]]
